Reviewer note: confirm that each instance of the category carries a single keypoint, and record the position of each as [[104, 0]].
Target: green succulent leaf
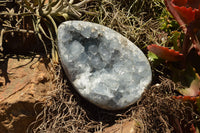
[[174, 39], [151, 56]]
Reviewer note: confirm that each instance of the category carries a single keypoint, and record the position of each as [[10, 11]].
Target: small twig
[[45, 11], [82, 3], [1, 38], [54, 24], [71, 2], [21, 30], [43, 32], [18, 22], [58, 7], [17, 14], [45, 48]]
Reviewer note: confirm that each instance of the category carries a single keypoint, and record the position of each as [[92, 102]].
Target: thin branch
[[17, 14], [1, 38], [82, 3], [71, 2], [21, 30]]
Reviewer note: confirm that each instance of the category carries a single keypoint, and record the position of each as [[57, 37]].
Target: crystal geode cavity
[[104, 67]]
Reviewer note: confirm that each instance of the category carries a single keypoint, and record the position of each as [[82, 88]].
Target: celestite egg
[[104, 67]]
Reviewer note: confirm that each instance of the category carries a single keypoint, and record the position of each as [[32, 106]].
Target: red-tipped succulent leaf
[[187, 9], [184, 11], [187, 14], [165, 53]]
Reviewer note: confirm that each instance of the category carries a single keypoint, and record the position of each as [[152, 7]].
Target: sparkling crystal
[[75, 49], [104, 52], [86, 32], [104, 67], [92, 49]]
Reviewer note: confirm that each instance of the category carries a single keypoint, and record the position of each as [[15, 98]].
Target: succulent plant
[[187, 14], [165, 53], [43, 17]]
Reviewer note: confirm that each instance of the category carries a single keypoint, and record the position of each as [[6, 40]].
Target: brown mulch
[[155, 111]]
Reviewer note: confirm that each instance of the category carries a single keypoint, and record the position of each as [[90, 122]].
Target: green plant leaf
[[174, 39], [151, 56]]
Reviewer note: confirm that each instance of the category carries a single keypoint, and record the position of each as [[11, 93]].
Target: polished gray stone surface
[[104, 67]]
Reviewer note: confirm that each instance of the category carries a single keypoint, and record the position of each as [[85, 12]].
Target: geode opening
[[104, 67]]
